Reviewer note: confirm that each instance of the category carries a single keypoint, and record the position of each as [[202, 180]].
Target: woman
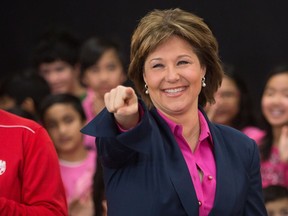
[[163, 156], [274, 146]]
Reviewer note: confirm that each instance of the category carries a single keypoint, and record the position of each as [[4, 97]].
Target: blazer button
[[200, 203], [210, 177]]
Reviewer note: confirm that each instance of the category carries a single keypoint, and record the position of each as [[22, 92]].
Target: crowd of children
[[65, 89]]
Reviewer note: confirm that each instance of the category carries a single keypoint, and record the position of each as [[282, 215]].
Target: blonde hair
[[156, 27]]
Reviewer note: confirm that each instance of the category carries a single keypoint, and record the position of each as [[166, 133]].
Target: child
[[24, 91], [233, 105], [63, 117], [56, 59], [274, 146], [102, 69], [276, 200], [29, 173]]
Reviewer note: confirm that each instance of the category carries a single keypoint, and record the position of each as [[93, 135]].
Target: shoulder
[[229, 134], [254, 133], [235, 142], [11, 122]]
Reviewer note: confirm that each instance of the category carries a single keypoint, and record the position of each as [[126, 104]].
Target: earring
[[203, 82], [146, 87]]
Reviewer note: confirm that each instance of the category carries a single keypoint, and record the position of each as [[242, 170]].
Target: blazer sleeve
[[116, 148]]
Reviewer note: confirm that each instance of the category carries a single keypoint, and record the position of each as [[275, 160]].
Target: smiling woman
[[162, 153]]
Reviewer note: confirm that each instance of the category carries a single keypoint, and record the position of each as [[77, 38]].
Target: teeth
[[174, 90], [276, 112]]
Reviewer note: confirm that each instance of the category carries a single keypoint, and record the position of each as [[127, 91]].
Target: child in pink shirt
[[102, 69], [274, 145], [63, 117]]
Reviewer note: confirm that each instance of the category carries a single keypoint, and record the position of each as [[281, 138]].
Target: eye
[[268, 92], [51, 125], [93, 69], [111, 67], [68, 119], [60, 69], [182, 62], [157, 65]]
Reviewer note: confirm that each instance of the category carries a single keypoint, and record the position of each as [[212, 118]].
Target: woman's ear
[[204, 70], [144, 78]]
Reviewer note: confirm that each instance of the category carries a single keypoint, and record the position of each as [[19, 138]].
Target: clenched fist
[[123, 102]]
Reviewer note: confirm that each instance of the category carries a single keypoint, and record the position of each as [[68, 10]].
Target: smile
[[176, 90]]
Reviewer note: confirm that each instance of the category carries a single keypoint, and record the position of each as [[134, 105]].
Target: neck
[[98, 104], [78, 90], [191, 135], [74, 155], [276, 134], [191, 128]]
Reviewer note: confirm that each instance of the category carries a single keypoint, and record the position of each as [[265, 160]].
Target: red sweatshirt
[[30, 182]]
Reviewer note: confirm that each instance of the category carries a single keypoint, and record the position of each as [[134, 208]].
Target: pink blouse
[[202, 158]]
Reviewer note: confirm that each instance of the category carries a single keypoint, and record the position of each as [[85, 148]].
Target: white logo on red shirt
[[2, 166]]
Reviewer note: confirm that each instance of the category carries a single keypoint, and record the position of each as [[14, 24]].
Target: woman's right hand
[[123, 102]]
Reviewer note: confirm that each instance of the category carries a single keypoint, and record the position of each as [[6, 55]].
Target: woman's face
[[173, 75], [227, 100], [275, 100], [60, 76], [63, 124], [105, 74]]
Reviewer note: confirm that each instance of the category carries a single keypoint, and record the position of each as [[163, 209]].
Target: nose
[[277, 98], [172, 74], [52, 76], [62, 128], [103, 75]]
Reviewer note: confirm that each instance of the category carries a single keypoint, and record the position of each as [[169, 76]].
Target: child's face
[[275, 100], [60, 76], [227, 100], [7, 102], [106, 74], [277, 207], [63, 124]]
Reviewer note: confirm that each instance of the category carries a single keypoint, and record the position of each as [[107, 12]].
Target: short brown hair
[[159, 25]]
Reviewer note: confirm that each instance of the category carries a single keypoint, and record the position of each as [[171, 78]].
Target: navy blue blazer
[[145, 173]]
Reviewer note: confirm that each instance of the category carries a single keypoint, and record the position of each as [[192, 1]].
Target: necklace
[[192, 139]]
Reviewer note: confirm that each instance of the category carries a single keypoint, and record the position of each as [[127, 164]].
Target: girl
[[102, 69], [233, 105], [63, 117], [274, 146]]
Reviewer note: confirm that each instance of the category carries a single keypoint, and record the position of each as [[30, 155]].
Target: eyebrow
[[180, 56]]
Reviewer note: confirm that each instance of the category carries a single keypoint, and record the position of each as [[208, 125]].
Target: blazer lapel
[[225, 183], [179, 172]]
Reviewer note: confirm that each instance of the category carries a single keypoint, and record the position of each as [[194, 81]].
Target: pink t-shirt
[[254, 133], [78, 176], [273, 170], [202, 158], [87, 105]]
